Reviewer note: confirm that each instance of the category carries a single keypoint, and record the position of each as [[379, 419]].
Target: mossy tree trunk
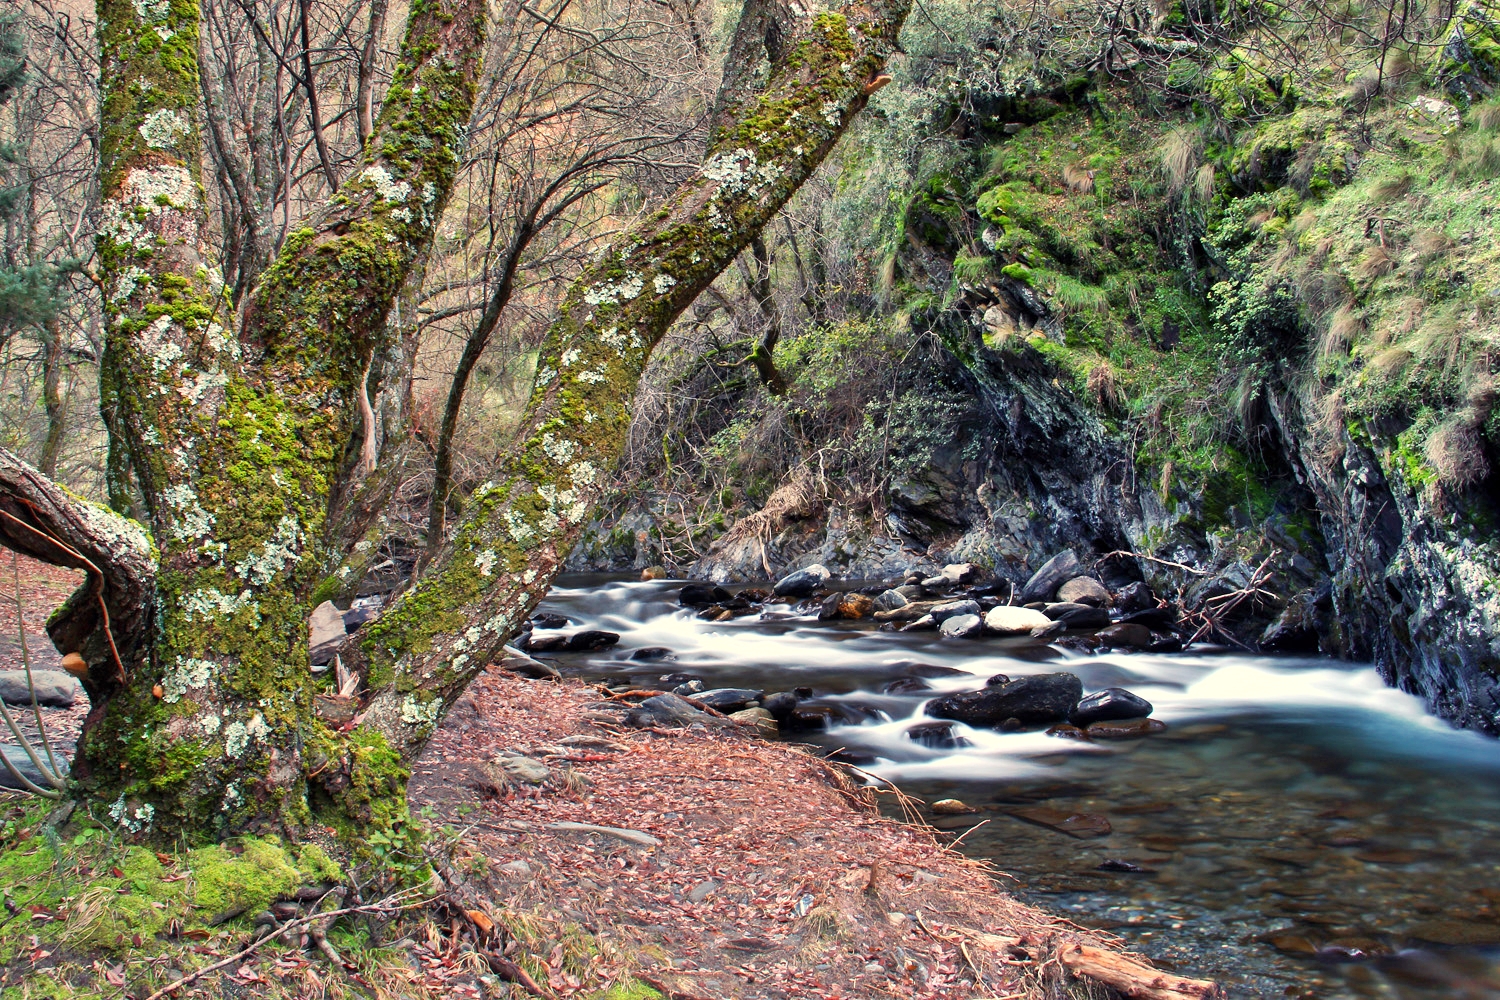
[[241, 434]]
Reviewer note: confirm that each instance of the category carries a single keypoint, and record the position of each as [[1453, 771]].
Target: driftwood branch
[[1132, 977]]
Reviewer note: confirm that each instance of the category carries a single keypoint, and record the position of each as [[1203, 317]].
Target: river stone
[[1038, 700], [1045, 581], [1108, 706], [520, 663], [855, 606], [1074, 824], [1135, 597], [530, 642], [1085, 590], [729, 700], [1171, 644], [1013, 621], [936, 736], [666, 710], [699, 595], [1124, 729], [54, 688], [962, 627], [926, 623], [890, 600], [591, 640], [689, 688], [780, 705], [1077, 615], [756, 717], [952, 609], [654, 573], [905, 685], [549, 620], [1126, 635], [651, 654], [802, 582], [810, 717], [952, 807]]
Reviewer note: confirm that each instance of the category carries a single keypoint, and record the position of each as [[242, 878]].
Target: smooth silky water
[[1302, 829]]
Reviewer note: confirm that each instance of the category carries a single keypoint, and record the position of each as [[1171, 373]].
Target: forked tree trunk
[[240, 442]]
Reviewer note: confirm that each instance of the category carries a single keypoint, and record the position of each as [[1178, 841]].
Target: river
[[1299, 829]]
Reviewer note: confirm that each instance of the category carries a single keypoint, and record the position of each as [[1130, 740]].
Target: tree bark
[[418, 657], [54, 350]]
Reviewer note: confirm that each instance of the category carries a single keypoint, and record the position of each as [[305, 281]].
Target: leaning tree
[[240, 429]]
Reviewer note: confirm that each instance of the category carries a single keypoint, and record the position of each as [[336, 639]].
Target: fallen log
[[1131, 977]]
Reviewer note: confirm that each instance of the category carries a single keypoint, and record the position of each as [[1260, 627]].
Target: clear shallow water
[[1301, 829]]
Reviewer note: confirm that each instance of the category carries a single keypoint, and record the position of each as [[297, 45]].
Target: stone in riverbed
[[1038, 700], [802, 582], [924, 624], [848, 606], [781, 705], [591, 640], [54, 688], [549, 620], [1008, 621], [1109, 705], [729, 700], [952, 609], [1085, 590], [654, 573], [810, 717], [689, 688], [962, 627], [1171, 644], [1124, 729], [905, 685], [1077, 615], [699, 595], [1126, 636], [890, 600], [651, 654], [1072, 822], [1135, 597], [759, 718], [937, 736], [667, 711], [530, 642], [1053, 573], [952, 807]]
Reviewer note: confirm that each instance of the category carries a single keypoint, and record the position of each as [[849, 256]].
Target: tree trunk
[[242, 444], [54, 350]]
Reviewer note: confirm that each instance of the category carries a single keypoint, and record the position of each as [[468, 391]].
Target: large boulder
[[54, 688], [668, 711], [1109, 705], [1035, 701], [802, 582], [890, 600], [1014, 621], [1054, 573], [1085, 590]]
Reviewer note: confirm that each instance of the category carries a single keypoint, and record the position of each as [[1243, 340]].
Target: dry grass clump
[[1343, 329], [1392, 186], [1377, 262], [1104, 387], [1078, 180], [1180, 155], [1455, 450], [1487, 117]]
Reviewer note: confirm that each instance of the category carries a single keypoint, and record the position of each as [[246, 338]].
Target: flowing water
[[1299, 829]]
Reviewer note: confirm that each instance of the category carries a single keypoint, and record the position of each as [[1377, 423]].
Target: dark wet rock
[[847, 606], [1301, 623], [1067, 731], [591, 640], [890, 600], [728, 700], [1126, 636], [1038, 700], [754, 595], [668, 711], [676, 678], [1085, 590], [807, 718], [927, 670], [651, 654], [1009, 621], [688, 688], [1389, 856], [1134, 597], [1124, 729], [1156, 619], [924, 624], [697, 595], [1117, 865], [1048, 630], [1109, 705], [1170, 644], [937, 736], [802, 582], [997, 680], [1077, 615], [952, 609], [780, 705], [857, 758], [549, 620], [962, 627], [1458, 933], [1075, 824], [912, 591], [905, 685], [530, 642], [1052, 574], [54, 688]]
